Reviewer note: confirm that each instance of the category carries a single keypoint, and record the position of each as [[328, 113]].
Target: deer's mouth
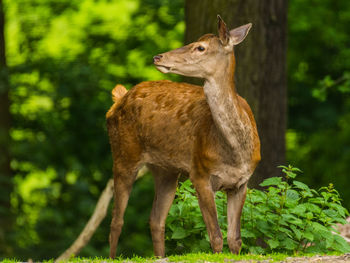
[[163, 69]]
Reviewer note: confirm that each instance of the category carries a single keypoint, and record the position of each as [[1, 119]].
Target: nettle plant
[[286, 217]]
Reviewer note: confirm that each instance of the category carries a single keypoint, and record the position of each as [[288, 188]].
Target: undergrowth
[[286, 217]]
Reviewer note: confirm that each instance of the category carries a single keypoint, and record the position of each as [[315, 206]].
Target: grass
[[187, 258]]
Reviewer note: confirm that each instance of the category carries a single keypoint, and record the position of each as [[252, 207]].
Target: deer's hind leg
[[126, 162], [165, 183], [123, 181]]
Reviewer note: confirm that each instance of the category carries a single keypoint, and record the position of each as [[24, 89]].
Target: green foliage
[[318, 95], [290, 217], [64, 57], [286, 217], [185, 226]]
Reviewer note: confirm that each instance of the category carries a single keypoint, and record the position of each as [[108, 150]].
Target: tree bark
[[5, 123], [261, 66]]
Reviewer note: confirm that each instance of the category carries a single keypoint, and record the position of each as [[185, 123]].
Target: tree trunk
[[5, 120], [261, 66]]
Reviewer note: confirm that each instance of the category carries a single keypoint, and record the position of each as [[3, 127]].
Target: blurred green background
[[65, 56]]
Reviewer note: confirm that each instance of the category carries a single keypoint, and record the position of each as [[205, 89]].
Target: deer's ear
[[224, 34], [238, 34]]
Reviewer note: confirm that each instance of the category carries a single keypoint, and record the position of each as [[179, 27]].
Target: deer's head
[[201, 58]]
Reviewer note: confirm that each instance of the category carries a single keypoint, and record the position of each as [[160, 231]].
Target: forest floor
[[307, 259], [313, 259], [229, 258], [325, 259], [201, 258]]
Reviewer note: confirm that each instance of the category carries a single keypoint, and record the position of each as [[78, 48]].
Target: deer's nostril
[[157, 58]]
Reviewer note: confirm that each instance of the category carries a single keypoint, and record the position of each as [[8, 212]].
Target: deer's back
[[164, 118]]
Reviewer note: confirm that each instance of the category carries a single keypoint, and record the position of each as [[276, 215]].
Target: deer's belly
[[226, 177], [176, 159]]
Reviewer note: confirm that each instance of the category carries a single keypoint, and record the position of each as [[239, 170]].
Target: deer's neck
[[223, 101]]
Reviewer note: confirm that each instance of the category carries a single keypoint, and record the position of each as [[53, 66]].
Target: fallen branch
[[90, 228], [95, 220]]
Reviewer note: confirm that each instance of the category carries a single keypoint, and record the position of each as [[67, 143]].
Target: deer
[[207, 133]]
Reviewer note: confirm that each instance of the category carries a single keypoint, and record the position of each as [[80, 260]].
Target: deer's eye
[[200, 48]]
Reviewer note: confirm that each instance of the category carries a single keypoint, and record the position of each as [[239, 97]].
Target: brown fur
[[208, 133], [117, 94]]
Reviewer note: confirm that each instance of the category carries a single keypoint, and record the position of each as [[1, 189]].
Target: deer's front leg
[[235, 202], [206, 200]]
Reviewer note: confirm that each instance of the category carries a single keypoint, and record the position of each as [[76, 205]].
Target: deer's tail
[[118, 93]]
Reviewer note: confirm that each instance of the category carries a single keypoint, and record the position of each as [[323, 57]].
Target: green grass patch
[[187, 258]]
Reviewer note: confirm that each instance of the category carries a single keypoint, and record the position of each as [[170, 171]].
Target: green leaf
[[286, 231], [300, 185], [313, 208], [256, 250], [180, 207], [273, 191], [326, 195], [295, 169], [340, 244], [296, 231], [341, 210], [316, 200], [292, 195], [291, 219], [257, 199], [318, 227], [246, 233], [179, 233], [308, 235], [329, 240], [273, 243], [204, 244], [299, 209], [291, 174], [199, 224], [289, 244], [330, 213], [272, 181], [309, 215]]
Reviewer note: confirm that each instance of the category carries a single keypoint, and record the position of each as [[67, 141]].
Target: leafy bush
[[286, 217]]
